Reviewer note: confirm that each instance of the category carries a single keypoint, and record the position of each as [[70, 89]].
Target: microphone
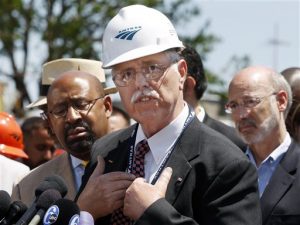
[[46, 199], [5, 201], [53, 182], [63, 212], [16, 210]]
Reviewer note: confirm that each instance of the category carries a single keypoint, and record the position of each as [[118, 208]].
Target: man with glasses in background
[[212, 181], [259, 100], [77, 112]]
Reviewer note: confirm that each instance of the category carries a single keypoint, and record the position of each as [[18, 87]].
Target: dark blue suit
[[226, 130], [280, 201]]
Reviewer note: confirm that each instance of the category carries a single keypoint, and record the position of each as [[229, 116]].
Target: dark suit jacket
[[226, 130], [280, 201], [212, 183]]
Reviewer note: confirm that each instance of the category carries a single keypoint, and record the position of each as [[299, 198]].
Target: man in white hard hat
[[77, 111], [212, 181]]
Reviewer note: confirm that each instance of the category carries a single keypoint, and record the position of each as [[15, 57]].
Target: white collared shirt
[[11, 173], [200, 113], [161, 143]]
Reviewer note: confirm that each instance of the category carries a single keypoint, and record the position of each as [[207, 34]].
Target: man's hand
[[140, 195], [104, 193]]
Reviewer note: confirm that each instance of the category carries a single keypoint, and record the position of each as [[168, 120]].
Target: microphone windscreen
[[47, 198], [52, 182], [5, 201], [16, 210], [19, 206], [63, 212]]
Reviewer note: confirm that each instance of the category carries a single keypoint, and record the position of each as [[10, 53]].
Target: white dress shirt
[[200, 112], [161, 143], [11, 172]]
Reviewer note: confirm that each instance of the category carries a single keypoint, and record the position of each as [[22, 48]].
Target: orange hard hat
[[11, 137], [58, 151]]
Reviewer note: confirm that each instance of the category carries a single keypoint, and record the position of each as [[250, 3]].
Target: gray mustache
[[246, 122], [144, 93]]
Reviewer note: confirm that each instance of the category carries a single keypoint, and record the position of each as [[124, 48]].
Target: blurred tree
[[16, 23], [74, 28]]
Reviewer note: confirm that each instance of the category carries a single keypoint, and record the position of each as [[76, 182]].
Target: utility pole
[[276, 42]]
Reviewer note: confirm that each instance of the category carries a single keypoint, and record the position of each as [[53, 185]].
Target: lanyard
[[164, 162]]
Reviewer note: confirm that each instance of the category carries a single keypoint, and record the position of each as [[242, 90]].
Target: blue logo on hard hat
[[51, 215], [128, 33]]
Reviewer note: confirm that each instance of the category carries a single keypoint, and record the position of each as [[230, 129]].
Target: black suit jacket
[[280, 201], [212, 183], [226, 130]]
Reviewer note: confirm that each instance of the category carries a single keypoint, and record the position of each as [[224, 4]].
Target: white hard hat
[[137, 31]]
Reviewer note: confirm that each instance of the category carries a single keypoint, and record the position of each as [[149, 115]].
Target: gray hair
[[280, 83]]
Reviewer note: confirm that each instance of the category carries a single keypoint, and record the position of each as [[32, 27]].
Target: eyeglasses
[[249, 103], [150, 72], [80, 105]]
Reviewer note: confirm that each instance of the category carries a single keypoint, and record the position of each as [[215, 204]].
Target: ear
[[189, 85], [108, 105], [182, 69], [282, 100]]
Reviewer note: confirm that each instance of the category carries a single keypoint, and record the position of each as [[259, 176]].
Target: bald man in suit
[[76, 102]]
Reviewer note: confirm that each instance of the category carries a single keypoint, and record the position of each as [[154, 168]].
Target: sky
[[245, 27], [250, 28]]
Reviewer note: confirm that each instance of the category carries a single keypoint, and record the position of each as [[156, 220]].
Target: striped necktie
[[118, 218]]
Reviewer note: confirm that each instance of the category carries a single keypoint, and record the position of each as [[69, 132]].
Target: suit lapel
[[112, 160], [207, 120], [65, 170], [280, 182], [179, 174], [182, 154], [180, 159]]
